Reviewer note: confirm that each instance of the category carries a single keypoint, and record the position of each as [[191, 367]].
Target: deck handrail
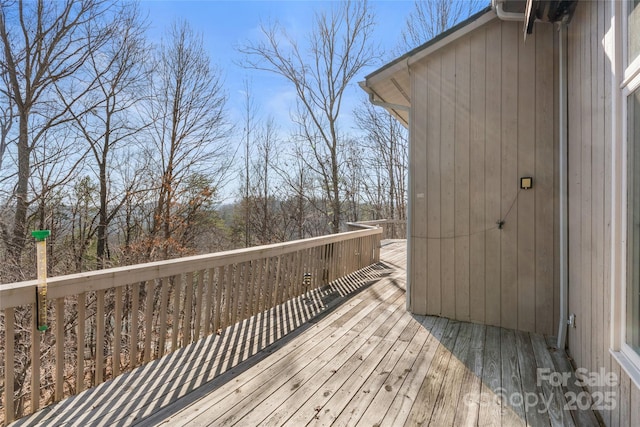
[[392, 228], [176, 302]]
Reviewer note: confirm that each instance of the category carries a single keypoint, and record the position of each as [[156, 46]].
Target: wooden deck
[[348, 354]]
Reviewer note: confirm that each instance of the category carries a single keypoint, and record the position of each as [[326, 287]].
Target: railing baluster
[[133, 334], [281, 279], [217, 315], [245, 290], [175, 325], [186, 326], [347, 257], [352, 256], [297, 278], [117, 339], [209, 299], [148, 319], [333, 257], [264, 284], [81, 306], [59, 384], [291, 280], [198, 313], [267, 285], [164, 307], [293, 289], [240, 287], [289, 272], [250, 296], [99, 374], [255, 288], [9, 379], [315, 253], [236, 293], [228, 293]]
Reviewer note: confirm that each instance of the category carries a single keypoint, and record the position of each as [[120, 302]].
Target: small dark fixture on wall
[[526, 182]]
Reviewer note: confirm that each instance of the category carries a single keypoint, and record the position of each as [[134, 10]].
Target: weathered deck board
[[343, 355]]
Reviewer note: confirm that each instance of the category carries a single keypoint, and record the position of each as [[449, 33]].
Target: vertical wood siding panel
[[586, 208], [574, 177], [597, 278], [509, 178], [526, 131], [590, 135], [608, 415], [545, 167], [419, 292], [624, 400], [434, 301], [418, 160], [634, 417], [447, 195], [492, 174], [477, 219], [461, 195], [556, 192], [480, 135]]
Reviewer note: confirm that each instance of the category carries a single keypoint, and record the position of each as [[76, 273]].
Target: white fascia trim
[[405, 64]]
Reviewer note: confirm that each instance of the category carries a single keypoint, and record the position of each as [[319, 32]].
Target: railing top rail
[[22, 293], [364, 225], [379, 221]]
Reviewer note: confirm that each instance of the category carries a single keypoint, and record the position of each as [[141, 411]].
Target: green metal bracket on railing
[[41, 288]]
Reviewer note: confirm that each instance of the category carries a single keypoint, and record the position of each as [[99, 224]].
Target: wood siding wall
[[483, 115], [590, 175]]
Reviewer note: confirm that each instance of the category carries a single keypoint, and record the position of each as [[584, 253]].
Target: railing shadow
[[183, 377], [490, 376]]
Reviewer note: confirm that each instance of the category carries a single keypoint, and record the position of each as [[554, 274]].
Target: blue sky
[[228, 24]]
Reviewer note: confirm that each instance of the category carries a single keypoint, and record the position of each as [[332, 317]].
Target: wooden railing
[[105, 322], [392, 228]]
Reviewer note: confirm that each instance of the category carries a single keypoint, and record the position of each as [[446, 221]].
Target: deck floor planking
[[343, 355]]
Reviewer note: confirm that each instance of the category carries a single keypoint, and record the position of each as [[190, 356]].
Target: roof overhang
[[390, 85]]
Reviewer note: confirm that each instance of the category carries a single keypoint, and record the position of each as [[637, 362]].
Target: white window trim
[[625, 81]]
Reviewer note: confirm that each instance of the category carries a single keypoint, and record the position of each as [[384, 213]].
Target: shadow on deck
[[345, 354]]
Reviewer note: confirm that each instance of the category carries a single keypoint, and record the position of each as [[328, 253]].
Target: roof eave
[[424, 50]]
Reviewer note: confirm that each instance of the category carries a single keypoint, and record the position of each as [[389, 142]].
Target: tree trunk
[[24, 169]]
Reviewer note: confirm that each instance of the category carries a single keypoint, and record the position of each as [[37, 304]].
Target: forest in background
[[122, 145]]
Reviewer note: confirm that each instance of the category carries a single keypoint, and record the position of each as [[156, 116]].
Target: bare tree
[[189, 132], [386, 139], [263, 215], [431, 17], [7, 116], [44, 44], [250, 112], [120, 71], [339, 48], [298, 194]]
